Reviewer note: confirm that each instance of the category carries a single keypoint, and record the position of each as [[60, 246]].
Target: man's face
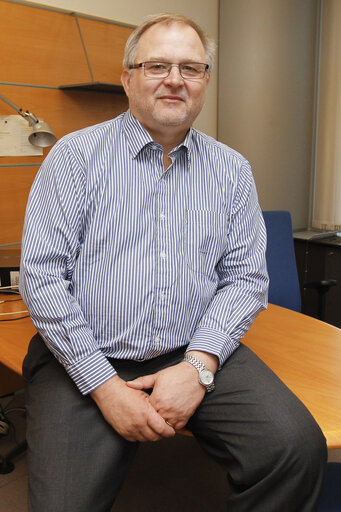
[[166, 105]]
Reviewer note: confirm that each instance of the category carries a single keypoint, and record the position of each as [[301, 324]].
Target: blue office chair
[[284, 288]]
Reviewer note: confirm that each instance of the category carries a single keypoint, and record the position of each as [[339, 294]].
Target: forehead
[[171, 41]]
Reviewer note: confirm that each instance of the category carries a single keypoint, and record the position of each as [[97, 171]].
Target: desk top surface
[[332, 240], [304, 352]]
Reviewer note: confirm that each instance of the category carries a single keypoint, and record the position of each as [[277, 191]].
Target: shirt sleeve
[[52, 239], [243, 279]]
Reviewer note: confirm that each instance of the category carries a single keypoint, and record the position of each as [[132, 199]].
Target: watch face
[[206, 377]]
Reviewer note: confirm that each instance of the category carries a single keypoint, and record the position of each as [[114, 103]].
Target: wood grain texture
[[14, 335], [104, 44], [13, 203], [306, 354], [65, 111], [40, 47]]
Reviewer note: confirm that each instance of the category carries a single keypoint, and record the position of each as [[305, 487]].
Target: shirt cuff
[[213, 342], [91, 372]]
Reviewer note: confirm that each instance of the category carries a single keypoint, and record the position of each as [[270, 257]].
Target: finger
[[150, 435], [159, 425], [144, 382], [147, 434], [142, 438], [168, 431]]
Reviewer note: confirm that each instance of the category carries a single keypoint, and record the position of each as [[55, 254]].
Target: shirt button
[[162, 295], [163, 255], [157, 339], [162, 216]]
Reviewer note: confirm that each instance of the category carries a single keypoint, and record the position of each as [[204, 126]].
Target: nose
[[174, 77]]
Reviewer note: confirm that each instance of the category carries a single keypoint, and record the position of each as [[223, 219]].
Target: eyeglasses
[[188, 70]]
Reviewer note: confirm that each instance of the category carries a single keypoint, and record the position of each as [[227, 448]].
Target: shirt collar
[[138, 137]]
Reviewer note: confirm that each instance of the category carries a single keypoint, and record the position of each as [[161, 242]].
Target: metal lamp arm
[[31, 118]]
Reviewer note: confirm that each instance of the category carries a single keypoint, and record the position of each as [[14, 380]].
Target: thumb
[[144, 382]]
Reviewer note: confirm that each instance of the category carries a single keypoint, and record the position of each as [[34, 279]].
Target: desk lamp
[[42, 135]]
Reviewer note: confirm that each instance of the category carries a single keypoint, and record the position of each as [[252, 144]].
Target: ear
[[125, 80]]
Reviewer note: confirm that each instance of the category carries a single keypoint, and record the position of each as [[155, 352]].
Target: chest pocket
[[207, 234]]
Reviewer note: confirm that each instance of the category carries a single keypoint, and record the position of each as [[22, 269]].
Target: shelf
[[95, 86]]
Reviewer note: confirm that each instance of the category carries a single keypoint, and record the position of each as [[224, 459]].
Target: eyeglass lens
[[163, 69]]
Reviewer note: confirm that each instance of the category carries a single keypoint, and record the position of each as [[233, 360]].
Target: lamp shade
[[42, 135]]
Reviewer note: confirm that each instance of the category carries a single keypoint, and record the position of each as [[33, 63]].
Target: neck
[[170, 139], [168, 136], [168, 145]]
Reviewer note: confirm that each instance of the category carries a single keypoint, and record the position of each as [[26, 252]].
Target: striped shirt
[[122, 259]]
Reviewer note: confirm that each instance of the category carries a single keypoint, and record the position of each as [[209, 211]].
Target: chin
[[171, 120]]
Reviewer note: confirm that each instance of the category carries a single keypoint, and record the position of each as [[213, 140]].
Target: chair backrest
[[284, 289]]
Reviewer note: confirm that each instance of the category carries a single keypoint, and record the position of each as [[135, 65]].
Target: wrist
[[106, 388], [205, 375], [211, 361]]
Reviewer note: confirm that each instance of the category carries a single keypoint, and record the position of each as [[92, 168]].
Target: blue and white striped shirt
[[123, 259]]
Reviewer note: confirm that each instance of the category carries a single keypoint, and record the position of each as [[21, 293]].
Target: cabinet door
[[317, 262], [333, 297]]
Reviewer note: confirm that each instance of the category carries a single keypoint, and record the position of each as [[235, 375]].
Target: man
[[143, 266]]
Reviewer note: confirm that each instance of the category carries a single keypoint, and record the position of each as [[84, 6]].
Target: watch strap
[[199, 365]]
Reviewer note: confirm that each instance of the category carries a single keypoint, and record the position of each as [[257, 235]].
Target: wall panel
[[41, 49], [105, 52]]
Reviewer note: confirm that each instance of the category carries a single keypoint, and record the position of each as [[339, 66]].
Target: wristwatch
[[206, 377]]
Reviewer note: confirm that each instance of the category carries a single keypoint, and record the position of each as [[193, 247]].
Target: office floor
[[170, 475]]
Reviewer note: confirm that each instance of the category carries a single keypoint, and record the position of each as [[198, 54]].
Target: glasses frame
[[141, 65]]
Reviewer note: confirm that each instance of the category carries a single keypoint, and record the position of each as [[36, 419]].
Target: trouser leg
[[76, 461], [272, 449]]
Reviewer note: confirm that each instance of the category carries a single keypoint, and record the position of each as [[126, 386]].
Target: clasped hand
[[138, 416]]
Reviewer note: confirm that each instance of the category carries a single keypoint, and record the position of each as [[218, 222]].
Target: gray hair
[[131, 45]]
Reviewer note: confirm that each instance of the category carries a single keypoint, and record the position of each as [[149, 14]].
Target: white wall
[[204, 12], [266, 95]]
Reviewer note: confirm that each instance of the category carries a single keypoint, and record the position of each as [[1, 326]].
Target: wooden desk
[[14, 335], [304, 352]]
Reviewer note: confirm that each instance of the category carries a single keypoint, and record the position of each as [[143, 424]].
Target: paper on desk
[[14, 133]]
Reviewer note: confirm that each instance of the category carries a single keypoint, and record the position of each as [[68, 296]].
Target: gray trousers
[[272, 449]]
